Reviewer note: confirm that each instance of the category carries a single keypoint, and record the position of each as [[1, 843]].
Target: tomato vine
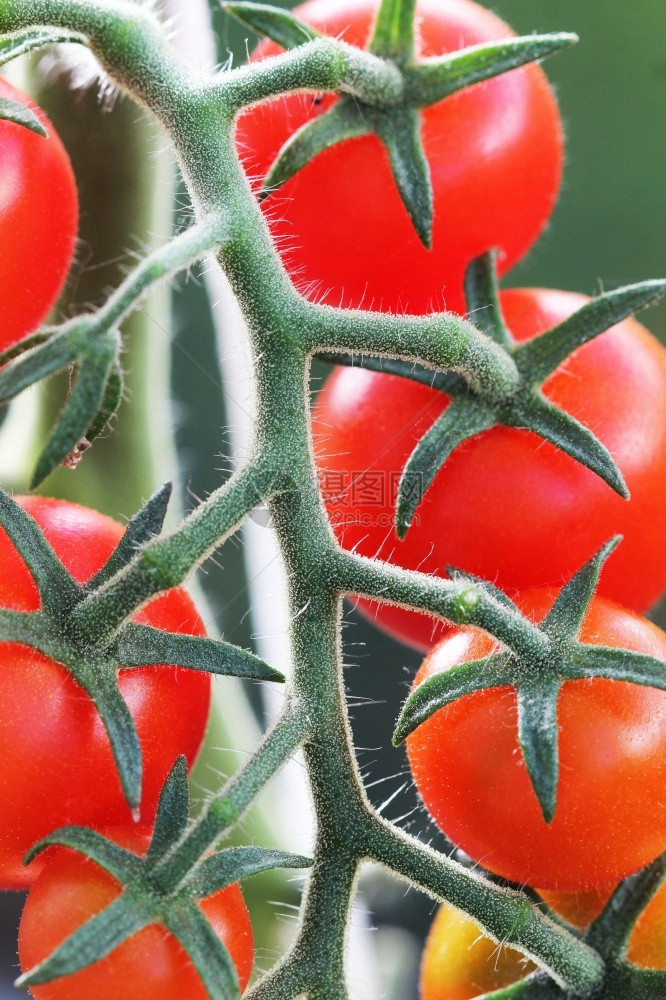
[[90, 626]]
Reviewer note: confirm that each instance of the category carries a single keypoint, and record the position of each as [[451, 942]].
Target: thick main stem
[[199, 121]]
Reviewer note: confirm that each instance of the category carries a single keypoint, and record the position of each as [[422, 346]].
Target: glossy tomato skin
[[459, 962], [610, 819], [56, 763], [495, 153], [38, 221], [151, 965], [507, 505]]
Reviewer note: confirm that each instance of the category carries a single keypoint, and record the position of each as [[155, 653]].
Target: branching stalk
[[285, 331]]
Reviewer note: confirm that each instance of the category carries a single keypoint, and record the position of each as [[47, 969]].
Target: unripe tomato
[[507, 505], [150, 965], [469, 770], [459, 962], [495, 155], [38, 221], [56, 765]]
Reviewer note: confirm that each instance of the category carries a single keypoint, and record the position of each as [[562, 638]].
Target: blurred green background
[[608, 229]]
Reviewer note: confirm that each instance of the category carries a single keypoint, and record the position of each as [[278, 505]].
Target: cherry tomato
[[151, 965], [459, 962], [495, 155], [38, 221], [507, 505], [610, 819], [56, 762]]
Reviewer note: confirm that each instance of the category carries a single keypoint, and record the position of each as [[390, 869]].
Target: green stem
[[506, 916], [284, 331], [226, 808], [168, 560], [463, 603]]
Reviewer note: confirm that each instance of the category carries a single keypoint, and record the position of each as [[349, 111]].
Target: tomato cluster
[[506, 506], [58, 767]]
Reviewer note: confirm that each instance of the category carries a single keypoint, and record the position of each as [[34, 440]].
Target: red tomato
[[460, 962], [495, 154], [151, 965], [57, 766], [507, 505], [38, 221], [610, 819]]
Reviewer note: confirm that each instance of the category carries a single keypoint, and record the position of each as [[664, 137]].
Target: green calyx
[[146, 899], [18, 114], [470, 412], [394, 119], [535, 663], [94, 661], [89, 345]]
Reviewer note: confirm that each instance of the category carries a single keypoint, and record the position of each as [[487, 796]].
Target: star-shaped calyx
[[149, 896], [396, 121], [94, 661], [471, 412], [541, 659]]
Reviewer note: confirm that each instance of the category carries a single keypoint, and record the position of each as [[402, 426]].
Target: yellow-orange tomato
[[460, 962]]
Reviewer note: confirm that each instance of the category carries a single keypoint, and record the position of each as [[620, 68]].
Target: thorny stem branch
[[284, 331]]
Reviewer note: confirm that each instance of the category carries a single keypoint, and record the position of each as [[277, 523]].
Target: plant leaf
[[56, 587], [18, 114], [208, 954], [102, 686], [146, 524], [588, 661], [93, 940], [120, 863], [113, 394], [401, 136], [461, 420], [12, 46], [142, 645], [235, 863], [559, 428], [393, 33], [537, 734], [538, 358], [481, 295], [610, 932], [26, 344], [431, 80], [172, 811], [443, 688], [79, 411], [345, 120], [279, 25], [48, 357], [566, 615]]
